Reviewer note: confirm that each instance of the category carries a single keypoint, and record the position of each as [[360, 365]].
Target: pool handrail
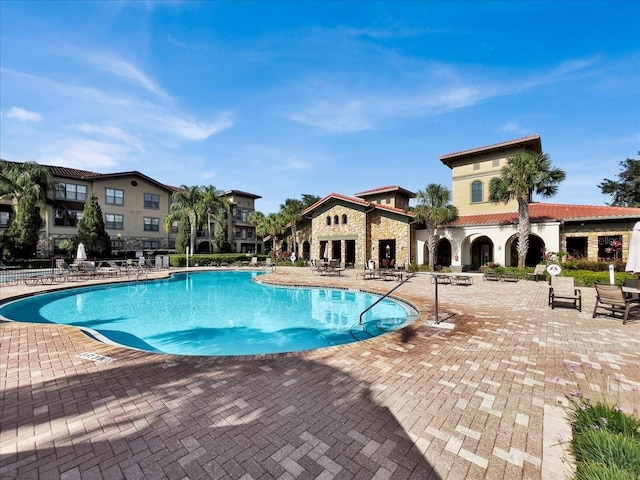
[[402, 282]]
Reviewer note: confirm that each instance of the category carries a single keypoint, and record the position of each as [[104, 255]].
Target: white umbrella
[[633, 260], [326, 251], [82, 254]]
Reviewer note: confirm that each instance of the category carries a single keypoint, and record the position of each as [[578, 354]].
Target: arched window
[[344, 218], [476, 191], [328, 220], [335, 220]]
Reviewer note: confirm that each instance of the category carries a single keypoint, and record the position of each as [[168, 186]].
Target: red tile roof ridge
[[495, 145]]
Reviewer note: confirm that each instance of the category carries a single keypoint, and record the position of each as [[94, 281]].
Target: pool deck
[[479, 396]]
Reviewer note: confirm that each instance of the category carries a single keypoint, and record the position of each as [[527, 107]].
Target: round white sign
[[554, 269]]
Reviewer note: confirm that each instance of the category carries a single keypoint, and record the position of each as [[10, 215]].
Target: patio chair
[[612, 299], [563, 292], [539, 271]]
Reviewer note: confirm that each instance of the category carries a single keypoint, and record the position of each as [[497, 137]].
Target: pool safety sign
[[95, 357]]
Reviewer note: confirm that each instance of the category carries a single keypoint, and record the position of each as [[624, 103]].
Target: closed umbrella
[[633, 260], [81, 254], [326, 251]]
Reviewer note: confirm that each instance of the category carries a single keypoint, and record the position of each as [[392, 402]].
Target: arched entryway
[[535, 253], [481, 252], [443, 253]]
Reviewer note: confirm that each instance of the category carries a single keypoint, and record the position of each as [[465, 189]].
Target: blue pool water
[[214, 313]]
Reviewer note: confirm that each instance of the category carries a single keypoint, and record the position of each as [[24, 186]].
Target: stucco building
[[377, 224]]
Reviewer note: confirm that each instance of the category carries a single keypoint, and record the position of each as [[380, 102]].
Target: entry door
[[484, 254]]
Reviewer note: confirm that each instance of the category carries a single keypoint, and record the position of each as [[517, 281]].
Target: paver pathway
[[480, 400]]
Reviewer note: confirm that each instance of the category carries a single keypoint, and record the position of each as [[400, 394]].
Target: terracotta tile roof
[[533, 142], [70, 172], [389, 188], [241, 193], [357, 201], [540, 212]]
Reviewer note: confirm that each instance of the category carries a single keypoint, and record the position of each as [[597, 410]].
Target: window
[[66, 218], [4, 219], [344, 219], [476, 166], [328, 220], [241, 215], [114, 196], [174, 227], [476, 192], [151, 201], [244, 233], [335, 220], [495, 163], [151, 224], [150, 244], [70, 191], [114, 221], [172, 244], [388, 201], [610, 247], [117, 244]]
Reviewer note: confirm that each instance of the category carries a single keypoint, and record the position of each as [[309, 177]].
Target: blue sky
[[286, 98]]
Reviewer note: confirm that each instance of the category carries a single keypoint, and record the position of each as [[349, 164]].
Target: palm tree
[[24, 179], [524, 174], [271, 224], [218, 207], [26, 184], [291, 212], [196, 204], [435, 211]]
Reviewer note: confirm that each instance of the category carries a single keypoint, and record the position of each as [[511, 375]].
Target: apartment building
[[134, 207]]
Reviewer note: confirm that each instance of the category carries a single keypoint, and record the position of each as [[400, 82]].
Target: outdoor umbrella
[[326, 251], [633, 260], [82, 254]]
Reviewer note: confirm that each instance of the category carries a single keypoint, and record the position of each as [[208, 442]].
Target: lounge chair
[[491, 276], [563, 292], [612, 299], [538, 272]]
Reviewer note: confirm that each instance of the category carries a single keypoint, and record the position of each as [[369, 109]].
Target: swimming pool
[[214, 313]]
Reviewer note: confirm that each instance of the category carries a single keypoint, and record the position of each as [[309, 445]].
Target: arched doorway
[[535, 252], [481, 252], [443, 253]]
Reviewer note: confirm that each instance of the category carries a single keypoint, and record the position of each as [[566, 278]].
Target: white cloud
[[195, 130], [85, 155], [121, 68], [109, 131], [511, 127], [23, 115], [335, 117]]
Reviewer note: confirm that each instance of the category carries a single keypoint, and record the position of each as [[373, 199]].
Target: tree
[[183, 237], [196, 204], [271, 224], [435, 211], [625, 191], [308, 200], [91, 231], [524, 174], [26, 184], [291, 213]]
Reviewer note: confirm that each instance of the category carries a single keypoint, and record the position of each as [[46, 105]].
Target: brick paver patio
[[480, 400]]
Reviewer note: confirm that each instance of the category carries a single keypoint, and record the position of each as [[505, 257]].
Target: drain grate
[[95, 357]]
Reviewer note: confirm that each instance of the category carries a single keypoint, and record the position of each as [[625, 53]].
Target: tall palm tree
[[218, 207], [196, 204], [524, 174], [291, 212], [435, 211]]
